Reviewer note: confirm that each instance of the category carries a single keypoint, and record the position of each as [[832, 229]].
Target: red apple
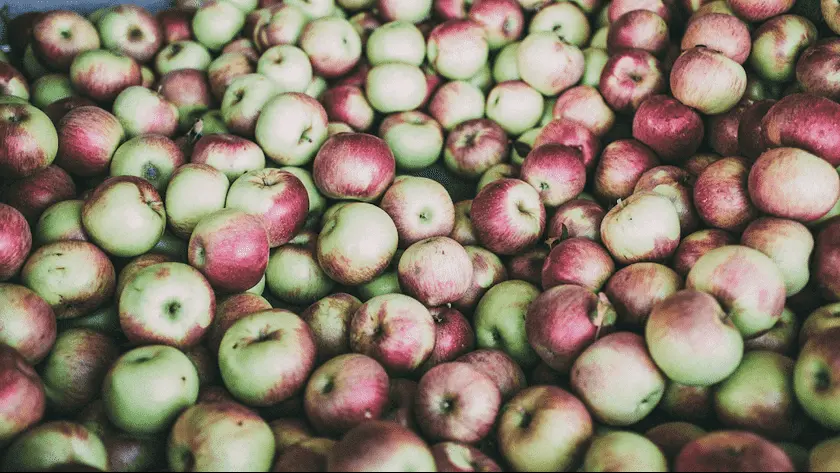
[[620, 167], [420, 208], [723, 129], [454, 337], [677, 185], [436, 271], [556, 171], [88, 137], [275, 25], [16, 241], [475, 146], [629, 78], [28, 323], [577, 218], [634, 290], [619, 8], [578, 261], [29, 143], [349, 105], [382, 446], [354, 166], [498, 366], [698, 244], [729, 78], [225, 69], [807, 122], [817, 67], [722, 197], [56, 110], [671, 129], [572, 134], [101, 75], [725, 33], [456, 457], [638, 29], [231, 154], [34, 194], [24, 401], [189, 90], [59, 35], [827, 260], [503, 20], [585, 104], [645, 227], [733, 451], [528, 266], [176, 24], [508, 216], [488, 270], [757, 11]]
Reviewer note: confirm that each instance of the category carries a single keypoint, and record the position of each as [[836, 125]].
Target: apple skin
[[547, 416], [528, 266], [815, 67], [88, 137], [380, 446], [354, 166], [569, 133], [788, 243], [568, 21], [118, 228], [671, 129], [814, 126], [151, 157], [578, 261], [142, 112], [436, 271], [548, 64], [415, 138], [712, 64], [75, 369], [457, 457], [721, 195], [287, 356], [778, 43], [293, 273], [720, 31], [92, 284], [498, 172], [216, 23], [329, 319], [345, 392], [688, 403], [229, 309], [722, 134], [499, 367], [639, 29], [16, 242], [760, 11], [243, 102], [456, 102], [309, 455], [184, 206], [189, 90], [500, 320], [636, 289], [357, 244], [202, 439], [463, 232], [629, 78], [137, 264], [454, 337], [585, 104], [814, 375], [650, 242], [225, 69], [55, 443], [715, 452], [626, 451], [175, 24], [24, 401], [556, 171], [621, 165], [515, 105], [59, 36], [750, 129], [228, 153], [101, 75], [33, 195], [577, 218], [348, 104], [619, 8], [821, 320], [400, 408], [30, 141], [671, 437], [676, 184], [488, 270], [304, 129], [420, 208], [508, 216], [279, 24], [13, 83]]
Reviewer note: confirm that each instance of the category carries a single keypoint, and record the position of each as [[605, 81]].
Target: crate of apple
[[420, 235]]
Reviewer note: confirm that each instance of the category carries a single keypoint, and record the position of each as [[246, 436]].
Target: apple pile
[[421, 235]]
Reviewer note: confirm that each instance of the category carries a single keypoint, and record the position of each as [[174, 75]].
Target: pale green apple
[[194, 191], [500, 320], [288, 66], [515, 106], [483, 79], [142, 111], [53, 444], [788, 243], [182, 55], [386, 283], [317, 87], [457, 102], [599, 39], [244, 100], [151, 157], [415, 138], [595, 60], [317, 202], [777, 45], [505, 65], [413, 11], [212, 123], [216, 23], [291, 129], [51, 88], [566, 20], [624, 451], [147, 388], [293, 274], [61, 221], [397, 41], [458, 49], [396, 87], [523, 145]]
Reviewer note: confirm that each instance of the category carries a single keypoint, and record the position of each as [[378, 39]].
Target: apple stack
[[222, 249]]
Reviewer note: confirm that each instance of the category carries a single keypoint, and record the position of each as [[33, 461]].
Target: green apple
[[151, 157], [816, 378], [258, 288], [124, 216], [317, 87], [624, 451], [193, 192], [566, 20], [523, 145], [599, 39], [333, 45], [293, 274], [28, 322], [777, 45], [212, 123], [317, 202], [505, 66], [415, 138], [595, 59], [515, 106], [291, 129], [396, 87], [483, 79], [216, 23], [397, 41], [500, 320], [51, 88], [171, 246], [220, 436], [147, 388], [288, 66], [105, 320], [386, 283], [244, 100], [53, 444], [182, 55], [548, 111], [826, 456], [457, 102], [61, 221], [32, 67]]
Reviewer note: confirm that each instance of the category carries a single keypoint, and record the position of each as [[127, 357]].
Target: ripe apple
[[175, 24], [151, 157], [645, 227], [676, 184], [672, 338], [723, 131], [303, 131], [456, 102], [625, 451], [453, 456], [354, 166], [182, 55], [396, 41], [396, 87], [278, 197], [420, 208], [56, 443], [13, 83], [216, 23], [722, 197], [282, 24], [101, 75], [720, 31], [231, 154], [453, 337], [436, 271], [24, 402], [457, 49], [145, 112], [544, 428], [293, 274], [229, 309], [733, 451], [243, 102], [415, 138], [548, 64], [712, 64], [48, 89], [243, 46], [585, 104], [185, 205], [634, 291], [30, 140], [379, 445], [225, 69], [778, 43], [565, 265], [189, 90], [288, 66], [629, 78], [505, 205], [135, 266], [280, 343], [788, 243], [28, 322], [639, 29], [668, 127], [60, 222], [463, 232], [333, 46], [329, 319], [16, 241], [577, 218], [505, 64], [814, 375], [87, 140], [59, 36], [815, 67], [503, 21], [814, 127], [132, 31], [515, 106], [556, 171], [348, 104], [573, 134], [620, 167]]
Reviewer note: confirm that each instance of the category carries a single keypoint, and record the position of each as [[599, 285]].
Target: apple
[[56, 443], [556, 171], [154, 158], [229, 309], [585, 104], [396, 87], [712, 64], [760, 11], [762, 375], [778, 43], [475, 146], [548, 64], [453, 337], [381, 446], [415, 139], [185, 206], [815, 67], [814, 376], [458, 49], [782, 338], [354, 166], [463, 232], [16, 242], [496, 173], [488, 270], [500, 318], [243, 102], [723, 131], [61, 221], [366, 22], [420, 208], [28, 321], [348, 104], [216, 23], [639, 29], [87, 140], [12, 82], [644, 227], [30, 140], [132, 31], [333, 46], [397, 41], [671, 437], [456, 102], [278, 197], [293, 273], [577, 218], [821, 320], [317, 202], [668, 127], [624, 451], [721, 195], [76, 367], [23, 397], [544, 428], [309, 455], [505, 64], [91, 286], [329, 319], [436, 271], [145, 112], [136, 265], [528, 266], [453, 456], [59, 35], [676, 184], [629, 78], [565, 265], [515, 106], [498, 366], [566, 20], [175, 24], [386, 283], [733, 451], [788, 243], [720, 31], [287, 66], [813, 130], [823, 457], [232, 155], [303, 132], [621, 165], [636, 289], [672, 338], [225, 69], [572, 134], [180, 55], [244, 46], [493, 217], [49, 89], [124, 216], [189, 90], [277, 340], [700, 161], [400, 408], [282, 24], [688, 403], [595, 59], [617, 9]]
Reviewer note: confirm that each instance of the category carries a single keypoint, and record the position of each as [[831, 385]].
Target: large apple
[[354, 166], [420, 208], [60, 35], [333, 46], [500, 320], [508, 216], [645, 227], [30, 141], [189, 90], [101, 75], [668, 127], [701, 61], [436, 271], [548, 64], [24, 402], [88, 137], [142, 111], [380, 446], [396, 87]]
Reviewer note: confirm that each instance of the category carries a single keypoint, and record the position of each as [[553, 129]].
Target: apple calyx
[[604, 316]]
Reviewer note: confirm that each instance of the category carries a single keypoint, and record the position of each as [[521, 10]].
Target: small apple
[[225, 69], [87, 140], [145, 112], [12, 82], [722, 197], [396, 41], [282, 24], [28, 321], [333, 46], [788, 243], [182, 55], [778, 43], [815, 67], [348, 104], [516, 106], [175, 24], [632, 234], [354, 166], [243, 101], [293, 274], [585, 104], [578, 261], [457, 49], [556, 171], [503, 21], [620, 167], [50, 89], [415, 138], [573, 134], [420, 208], [60, 222], [506, 64], [463, 232]]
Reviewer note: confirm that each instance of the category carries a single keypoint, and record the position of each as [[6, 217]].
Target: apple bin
[[420, 235]]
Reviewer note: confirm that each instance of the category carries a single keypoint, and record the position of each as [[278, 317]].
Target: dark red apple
[[629, 78], [722, 130], [34, 194], [508, 216], [827, 260], [621, 166], [634, 290], [638, 29], [574, 135], [698, 244], [817, 69], [671, 129], [88, 137], [578, 261], [805, 121], [354, 166], [16, 241], [577, 218], [454, 336], [556, 171], [528, 266], [751, 131], [722, 197]]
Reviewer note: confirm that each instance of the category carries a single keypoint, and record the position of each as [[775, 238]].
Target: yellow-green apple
[[677, 185], [515, 106], [671, 437], [182, 55], [229, 309], [548, 64], [713, 64], [225, 69], [456, 402], [436, 271], [357, 243], [475, 146], [732, 451], [759, 397], [788, 243], [277, 341], [216, 23], [334, 47], [595, 59], [626, 451], [28, 322], [147, 388], [629, 77], [463, 232], [13, 83], [345, 392], [415, 138], [680, 331], [811, 185], [508, 216], [396, 41], [54, 444], [189, 90], [348, 104], [136, 265], [720, 31], [815, 378], [454, 456], [154, 158], [577, 218], [90, 287], [329, 320], [453, 337], [185, 204], [644, 227], [383, 446], [24, 401], [308, 455], [585, 104], [688, 403], [354, 166], [634, 291], [145, 112], [804, 121], [394, 329], [131, 30], [669, 128], [573, 134], [456, 102], [505, 64], [293, 274], [578, 261], [457, 49], [620, 167], [243, 102], [721, 195], [303, 132], [125, 216], [280, 24], [420, 208], [87, 139], [777, 45], [815, 69], [556, 171], [824, 457], [488, 271], [50, 89], [167, 303], [59, 36], [16, 241], [503, 21], [639, 29], [231, 154], [544, 428], [287, 66], [30, 140], [175, 24], [74, 370]]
